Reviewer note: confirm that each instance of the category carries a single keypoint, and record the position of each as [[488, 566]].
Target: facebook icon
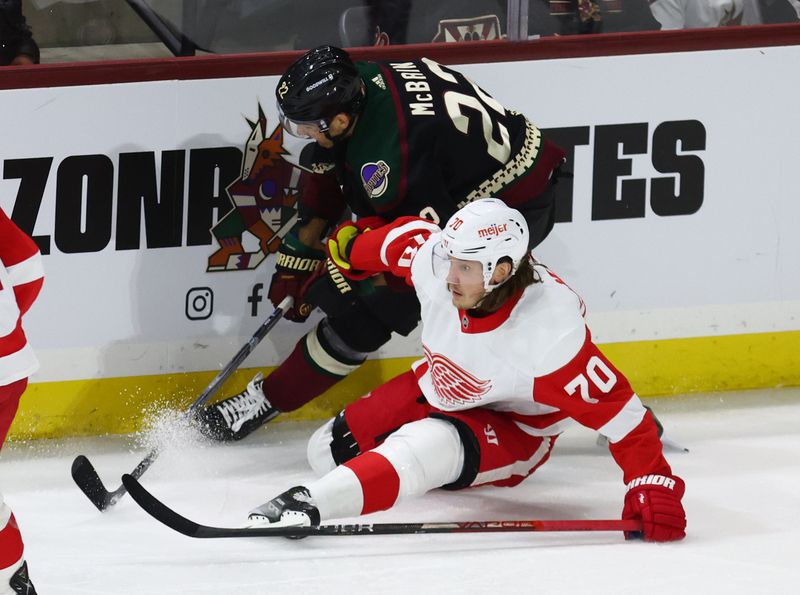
[[255, 298]]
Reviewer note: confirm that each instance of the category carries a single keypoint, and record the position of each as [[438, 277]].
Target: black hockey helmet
[[323, 82]]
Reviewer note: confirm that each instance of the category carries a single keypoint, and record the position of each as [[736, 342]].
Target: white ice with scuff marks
[[742, 501]]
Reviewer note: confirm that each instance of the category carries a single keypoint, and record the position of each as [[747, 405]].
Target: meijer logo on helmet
[[492, 230]]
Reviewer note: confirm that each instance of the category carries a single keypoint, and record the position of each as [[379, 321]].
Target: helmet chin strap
[[488, 286], [336, 140], [493, 286], [487, 291], [340, 138]]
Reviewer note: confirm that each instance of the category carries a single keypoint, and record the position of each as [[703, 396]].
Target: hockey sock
[[337, 494], [11, 547], [309, 371], [9, 403], [380, 481]]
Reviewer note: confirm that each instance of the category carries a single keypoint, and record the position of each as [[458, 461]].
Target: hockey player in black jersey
[[392, 139]]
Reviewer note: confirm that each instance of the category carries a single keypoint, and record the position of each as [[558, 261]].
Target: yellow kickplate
[[668, 367]]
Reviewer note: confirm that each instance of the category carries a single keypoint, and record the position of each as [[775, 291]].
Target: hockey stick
[[86, 476], [162, 513]]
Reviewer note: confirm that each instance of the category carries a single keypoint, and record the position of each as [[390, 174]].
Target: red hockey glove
[[340, 242], [656, 500], [294, 264]]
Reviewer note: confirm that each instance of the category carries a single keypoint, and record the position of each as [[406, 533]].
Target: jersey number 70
[[581, 382]]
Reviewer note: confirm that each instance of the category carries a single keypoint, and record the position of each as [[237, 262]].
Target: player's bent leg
[[418, 457], [322, 358], [336, 347], [496, 450], [365, 423], [427, 454], [319, 361]]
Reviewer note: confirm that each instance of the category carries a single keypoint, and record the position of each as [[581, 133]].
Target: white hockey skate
[[294, 508]]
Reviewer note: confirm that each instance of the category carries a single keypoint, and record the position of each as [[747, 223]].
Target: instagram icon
[[199, 303]]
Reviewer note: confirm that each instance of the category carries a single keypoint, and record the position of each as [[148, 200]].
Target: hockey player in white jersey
[[509, 364], [21, 278]]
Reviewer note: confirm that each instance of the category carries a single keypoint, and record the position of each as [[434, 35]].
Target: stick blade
[[167, 516], [87, 479], [157, 509]]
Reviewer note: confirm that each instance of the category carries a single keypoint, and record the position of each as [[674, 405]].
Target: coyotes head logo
[[264, 200]]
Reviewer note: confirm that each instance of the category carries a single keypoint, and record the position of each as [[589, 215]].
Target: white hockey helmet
[[487, 230]]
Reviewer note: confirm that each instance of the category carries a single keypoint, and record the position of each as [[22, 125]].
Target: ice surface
[[742, 502]]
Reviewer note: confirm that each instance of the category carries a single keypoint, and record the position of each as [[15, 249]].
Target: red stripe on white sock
[[10, 544], [380, 483]]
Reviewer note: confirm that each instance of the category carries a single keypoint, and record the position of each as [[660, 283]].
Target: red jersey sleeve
[[392, 248], [20, 256], [590, 390]]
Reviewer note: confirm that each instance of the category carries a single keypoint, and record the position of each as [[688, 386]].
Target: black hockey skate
[[293, 508], [659, 425], [236, 417], [666, 441], [20, 582]]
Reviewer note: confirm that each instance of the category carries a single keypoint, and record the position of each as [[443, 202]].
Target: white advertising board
[[680, 221]]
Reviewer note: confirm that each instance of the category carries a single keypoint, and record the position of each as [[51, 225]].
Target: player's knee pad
[[426, 454], [5, 512], [318, 450], [331, 445]]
